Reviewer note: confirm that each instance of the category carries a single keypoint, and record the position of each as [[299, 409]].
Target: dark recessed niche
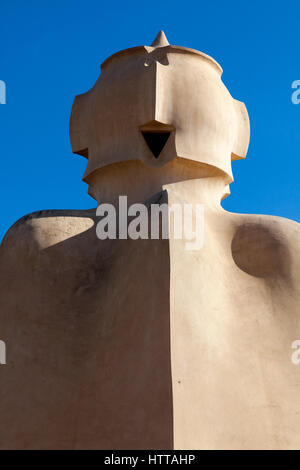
[[156, 141]]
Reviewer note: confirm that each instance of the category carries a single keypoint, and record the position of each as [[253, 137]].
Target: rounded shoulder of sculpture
[[281, 227], [266, 246], [42, 229], [53, 253]]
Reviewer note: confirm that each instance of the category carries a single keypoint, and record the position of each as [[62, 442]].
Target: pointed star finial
[[160, 40]]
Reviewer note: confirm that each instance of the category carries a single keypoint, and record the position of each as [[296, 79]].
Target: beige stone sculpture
[[142, 344]]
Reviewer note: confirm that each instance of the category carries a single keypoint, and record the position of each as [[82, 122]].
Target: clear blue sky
[[52, 50]]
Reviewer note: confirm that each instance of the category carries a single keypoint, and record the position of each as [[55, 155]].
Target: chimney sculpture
[[138, 342]]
